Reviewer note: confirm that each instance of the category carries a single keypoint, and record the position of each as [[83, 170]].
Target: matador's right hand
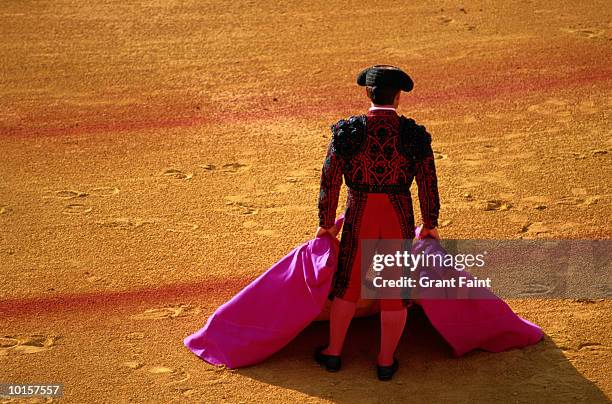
[[332, 230]]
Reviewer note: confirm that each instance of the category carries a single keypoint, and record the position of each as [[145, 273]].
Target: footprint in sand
[[81, 208], [125, 223], [238, 208], [208, 167], [536, 202], [295, 177], [77, 209], [536, 289], [552, 106], [178, 174], [166, 374], [104, 191], [227, 168], [439, 156], [472, 162], [585, 32], [183, 310], [598, 153], [577, 156], [70, 194], [183, 227], [26, 344], [584, 300], [186, 391], [495, 205], [579, 200], [95, 279], [133, 364], [157, 370], [73, 193], [590, 346], [535, 228], [170, 376], [291, 181], [445, 20], [234, 167], [493, 149]]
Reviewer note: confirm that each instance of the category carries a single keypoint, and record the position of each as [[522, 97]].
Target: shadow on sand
[[428, 373]]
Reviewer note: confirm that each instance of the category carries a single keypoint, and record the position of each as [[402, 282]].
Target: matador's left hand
[[432, 233]]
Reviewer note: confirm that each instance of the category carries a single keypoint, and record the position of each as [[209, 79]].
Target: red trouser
[[379, 221]]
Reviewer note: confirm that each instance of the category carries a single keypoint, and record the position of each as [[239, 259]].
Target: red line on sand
[[101, 127], [113, 301], [495, 89], [498, 89]]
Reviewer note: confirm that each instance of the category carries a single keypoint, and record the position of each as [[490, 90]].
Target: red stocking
[[392, 324], [340, 316]]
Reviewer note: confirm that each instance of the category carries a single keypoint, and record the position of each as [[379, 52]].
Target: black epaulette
[[415, 141], [348, 135]]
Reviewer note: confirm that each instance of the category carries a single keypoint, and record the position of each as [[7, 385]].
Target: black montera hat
[[385, 76]]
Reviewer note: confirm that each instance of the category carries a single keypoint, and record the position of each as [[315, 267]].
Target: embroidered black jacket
[[380, 152]]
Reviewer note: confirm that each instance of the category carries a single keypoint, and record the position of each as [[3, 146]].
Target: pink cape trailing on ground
[[272, 310], [485, 322]]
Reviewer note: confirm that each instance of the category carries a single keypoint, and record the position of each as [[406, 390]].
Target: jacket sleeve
[[427, 183], [331, 181]]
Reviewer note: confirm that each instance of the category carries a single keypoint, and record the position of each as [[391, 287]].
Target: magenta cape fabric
[[267, 314], [486, 322]]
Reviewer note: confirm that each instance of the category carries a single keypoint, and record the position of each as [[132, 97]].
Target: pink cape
[[486, 323], [272, 310]]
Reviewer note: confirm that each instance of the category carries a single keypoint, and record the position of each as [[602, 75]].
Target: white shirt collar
[[382, 107]]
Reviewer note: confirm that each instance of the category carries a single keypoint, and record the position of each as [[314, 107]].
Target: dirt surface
[[158, 156]]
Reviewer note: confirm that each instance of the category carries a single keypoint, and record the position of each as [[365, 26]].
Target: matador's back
[[380, 150]]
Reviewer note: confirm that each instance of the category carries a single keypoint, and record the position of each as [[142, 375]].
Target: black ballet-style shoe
[[385, 373], [331, 362]]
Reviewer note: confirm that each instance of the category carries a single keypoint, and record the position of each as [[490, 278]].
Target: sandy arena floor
[[158, 156]]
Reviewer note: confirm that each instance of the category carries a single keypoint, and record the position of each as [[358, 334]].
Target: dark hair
[[382, 95]]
